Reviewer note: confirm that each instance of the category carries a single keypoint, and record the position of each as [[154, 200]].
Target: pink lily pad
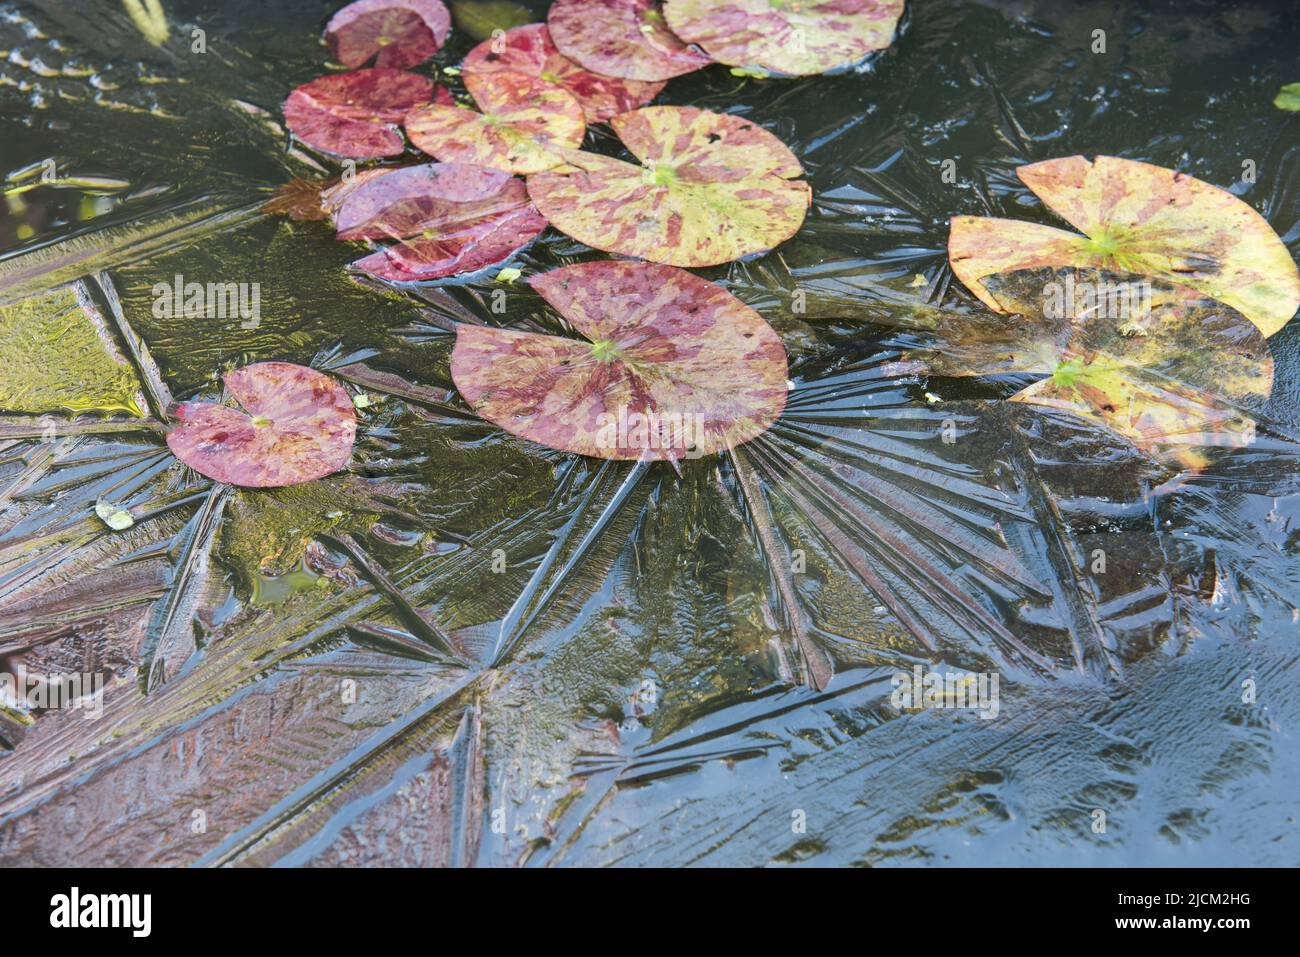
[[713, 188], [356, 114], [397, 33], [296, 425], [529, 49], [524, 120], [628, 39], [448, 218], [672, 366], [794, 37]]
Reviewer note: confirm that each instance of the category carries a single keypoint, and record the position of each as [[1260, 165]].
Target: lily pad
[[628, 39], [1161, 364], [524, 120], [713, 188], [529, 49], [357, 114], [448, 218], [1142, 219], [672, 366], [795, 37], [296, 425], [397, 33]]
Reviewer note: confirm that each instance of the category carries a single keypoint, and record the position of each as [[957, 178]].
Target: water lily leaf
[[524, 119], [397, 33], [296, 425], [796, 37], [1161, 364], [672, 366], [1142, 219], [481, 18], [529, 49], [628, 39], [714, 187], [357, 114], [1288, 98], [448, 218]]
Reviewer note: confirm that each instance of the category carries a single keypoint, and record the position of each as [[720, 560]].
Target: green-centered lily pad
[[529, 50], [296, 424], [628, 39], [713, 188], [524, 121], [795, 37], [446, 218], [356, 114], [397, 33], [1163, 365], [672, 366], [1142, 219]]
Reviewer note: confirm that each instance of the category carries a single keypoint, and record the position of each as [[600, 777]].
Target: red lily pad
[[1142, 219], [397, 33], [356, 114], [296, 425], [524, 120], [672, 366], [628, 39], [448, 218], [1161, 364], [795, 37], [714, 188], [529, 49]]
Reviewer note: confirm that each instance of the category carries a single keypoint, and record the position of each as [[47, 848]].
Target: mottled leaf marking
[[795, 37], [713, 188], [672, 366], [356, 114], [295, 425], [621, 38], [524, 123], [530, 50], [397, 33], [1142, 219]]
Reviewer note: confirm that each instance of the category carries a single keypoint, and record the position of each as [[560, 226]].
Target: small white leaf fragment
[[509, 274], [918, 280], [114, 517], [362, 400], [932, 398]]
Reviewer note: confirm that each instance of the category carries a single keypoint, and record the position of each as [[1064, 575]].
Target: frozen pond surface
[[638, 650]]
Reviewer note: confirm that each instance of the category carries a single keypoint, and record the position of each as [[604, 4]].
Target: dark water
[[632, 691]]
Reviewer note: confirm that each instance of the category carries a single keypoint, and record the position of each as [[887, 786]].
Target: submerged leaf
[[1142, 219], [1164, 366], [397, 33], [523, 118], [299, 199], [621, 38], [796, 37], [296, 425], [481, 18], [673, 366], [357, 114], [449, 218], [713, 188], [529, 50]]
